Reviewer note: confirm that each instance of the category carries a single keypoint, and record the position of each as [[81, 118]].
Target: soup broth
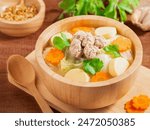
[[87, 54]]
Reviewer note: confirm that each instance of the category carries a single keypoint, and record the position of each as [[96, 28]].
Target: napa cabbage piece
[[66, 65]]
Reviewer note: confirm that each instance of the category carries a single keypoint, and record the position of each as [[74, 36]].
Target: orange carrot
[[141, 102], [130, 109], [86, 29], [54, 56], [100, 76], [138, 104], [123, 43]]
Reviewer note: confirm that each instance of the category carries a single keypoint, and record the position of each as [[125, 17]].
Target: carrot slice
[[86, 29], [54, 56], [123, 43], [130, 109], [141, 102], [100, 76], [138, 104]]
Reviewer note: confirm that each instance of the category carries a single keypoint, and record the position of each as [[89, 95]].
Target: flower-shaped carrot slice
[[130, 109], [141, 102], [54, 56]]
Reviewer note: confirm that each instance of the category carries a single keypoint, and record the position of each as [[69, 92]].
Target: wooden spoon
[[23, 73]]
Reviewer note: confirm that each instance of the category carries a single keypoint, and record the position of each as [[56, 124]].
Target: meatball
[[89, 39], [75, 48], [85, 38], [80, 35], [100, 42], [90, 51], [87, 44]]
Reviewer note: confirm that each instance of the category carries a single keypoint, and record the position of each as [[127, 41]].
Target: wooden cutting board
[[141, 86]]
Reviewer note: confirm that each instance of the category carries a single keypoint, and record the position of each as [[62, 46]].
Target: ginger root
[[141, 18]]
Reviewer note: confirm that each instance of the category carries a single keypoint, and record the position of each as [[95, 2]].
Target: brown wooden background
[[13, 99]]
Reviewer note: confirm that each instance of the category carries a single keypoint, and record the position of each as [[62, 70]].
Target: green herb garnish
[[92, 66], [61, 42], [112, 50], [116, 9]]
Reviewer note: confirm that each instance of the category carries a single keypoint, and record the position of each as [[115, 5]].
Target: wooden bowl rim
[[133, 67], [37, 16]]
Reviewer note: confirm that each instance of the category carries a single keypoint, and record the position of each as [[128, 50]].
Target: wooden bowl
[[23, 28], [88, 95]]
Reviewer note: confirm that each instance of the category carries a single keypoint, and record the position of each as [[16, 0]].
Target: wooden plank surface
[[13, 99]]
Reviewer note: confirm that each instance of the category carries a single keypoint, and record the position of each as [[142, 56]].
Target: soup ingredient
[[118, 66], [80, 43], [116, 9], [54, 56], [61, 42], [87, 44], [123, 43], [106, 60], [85, 29], [75, 48], [19, 13], [92, 66], [90, 51], [127, 55], [66, 65], [130, 109], [107, 32], [141, 17], [100, 76], [138, 104], [112, 50], [68, 36], [100, 42], [77, 75], [109, 41], [85, 38], [46, 51], [141, 102]]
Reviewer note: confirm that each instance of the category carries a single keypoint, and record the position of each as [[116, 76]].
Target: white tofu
[[109, 31], [77, 75], [127, 55], [118, 66], [106, 60]]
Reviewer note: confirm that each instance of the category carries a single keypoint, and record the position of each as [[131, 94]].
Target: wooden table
[[13, 99]]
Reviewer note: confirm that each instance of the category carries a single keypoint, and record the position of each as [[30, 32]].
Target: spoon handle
[[42, 103]]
